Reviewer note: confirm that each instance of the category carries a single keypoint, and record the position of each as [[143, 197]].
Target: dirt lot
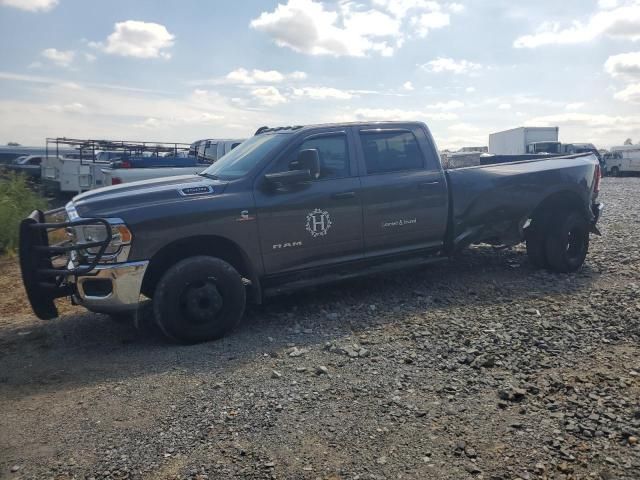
[[477, 368]]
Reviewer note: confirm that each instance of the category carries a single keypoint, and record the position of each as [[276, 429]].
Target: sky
[[181, 70]]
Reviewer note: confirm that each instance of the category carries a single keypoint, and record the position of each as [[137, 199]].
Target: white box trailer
[[515, 141]]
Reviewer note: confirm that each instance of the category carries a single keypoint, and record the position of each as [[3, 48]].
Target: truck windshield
[[239, 161]]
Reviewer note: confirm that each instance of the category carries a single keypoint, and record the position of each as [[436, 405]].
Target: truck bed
[[491, 203]]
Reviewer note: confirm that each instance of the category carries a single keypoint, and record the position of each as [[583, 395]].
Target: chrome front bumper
[[111, 288]]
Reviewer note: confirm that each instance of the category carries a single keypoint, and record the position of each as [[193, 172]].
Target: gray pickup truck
[[294, 207]]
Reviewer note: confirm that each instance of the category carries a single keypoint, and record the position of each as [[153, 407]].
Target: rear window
[[386, 152]]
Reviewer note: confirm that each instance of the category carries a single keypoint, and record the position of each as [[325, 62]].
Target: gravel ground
[[478, 368]]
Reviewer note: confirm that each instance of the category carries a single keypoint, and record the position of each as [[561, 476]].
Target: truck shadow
[[87, 349]]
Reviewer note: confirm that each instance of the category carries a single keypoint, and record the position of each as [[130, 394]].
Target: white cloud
[[69, 107], [134, 38], [400, 8], [586, 120], [464, 128], [619, 22], [242, 75], [574, 106], [601, 129], [631, 94], [314, 28], [528, 100], [624, 65], [397, 114], [247, 77], [607, 4], [430, 21], [449, 65], [322, 93], [504, 106], [450, 105], [30, 5], [371, 23], [408, 86], [62, 58], [306, 27], [269, 96], [470, 89], [53, 107]]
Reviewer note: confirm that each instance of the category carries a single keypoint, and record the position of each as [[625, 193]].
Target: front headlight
[[116, 251], [118, 248], [120, 236]]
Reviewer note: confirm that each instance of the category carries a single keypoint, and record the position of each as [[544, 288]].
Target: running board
[[334, 277]]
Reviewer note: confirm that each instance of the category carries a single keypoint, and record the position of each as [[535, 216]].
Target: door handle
[[427, 184], [343, 195]]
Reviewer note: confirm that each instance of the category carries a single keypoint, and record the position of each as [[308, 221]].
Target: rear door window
[[394, 151]]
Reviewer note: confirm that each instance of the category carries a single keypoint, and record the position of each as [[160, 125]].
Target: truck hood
[[115, 201]]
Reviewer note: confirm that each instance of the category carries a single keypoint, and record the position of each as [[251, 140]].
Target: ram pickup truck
[[294, 207]]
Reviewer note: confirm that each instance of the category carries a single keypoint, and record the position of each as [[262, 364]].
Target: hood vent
[[201, 190]]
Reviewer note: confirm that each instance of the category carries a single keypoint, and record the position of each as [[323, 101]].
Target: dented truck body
[[299, 206]]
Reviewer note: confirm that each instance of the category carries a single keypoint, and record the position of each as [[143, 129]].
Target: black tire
[[536, 247], [199, 299], [615, 172], [567, 242]]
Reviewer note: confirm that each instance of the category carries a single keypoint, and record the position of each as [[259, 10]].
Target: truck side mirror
[[303, 169], [307, 160]]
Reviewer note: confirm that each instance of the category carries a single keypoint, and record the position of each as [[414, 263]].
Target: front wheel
[[199, 299], [615, 172], [567, 242]]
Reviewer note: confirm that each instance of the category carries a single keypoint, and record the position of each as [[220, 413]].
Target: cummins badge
[[318, 223]]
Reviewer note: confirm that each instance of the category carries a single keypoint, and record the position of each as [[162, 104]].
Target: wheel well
[[542, 214], [200, 245]]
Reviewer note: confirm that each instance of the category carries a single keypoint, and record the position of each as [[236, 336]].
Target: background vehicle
[[28, 165], [82, 170], [10, 153], [210, 150], [552, 148], [517, 141], [573, 148], [205, 153], [294, 207], [623, 160]]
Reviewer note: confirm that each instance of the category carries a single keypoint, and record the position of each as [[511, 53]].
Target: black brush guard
[[42, 282]]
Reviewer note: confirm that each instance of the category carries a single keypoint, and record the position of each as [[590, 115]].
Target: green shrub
[[17, 200]]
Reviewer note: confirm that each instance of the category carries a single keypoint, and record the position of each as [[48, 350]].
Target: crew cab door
[[317, 222], [404, 191]]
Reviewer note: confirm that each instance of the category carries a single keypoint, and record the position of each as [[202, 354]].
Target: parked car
[[295, 207], [28, 165]]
